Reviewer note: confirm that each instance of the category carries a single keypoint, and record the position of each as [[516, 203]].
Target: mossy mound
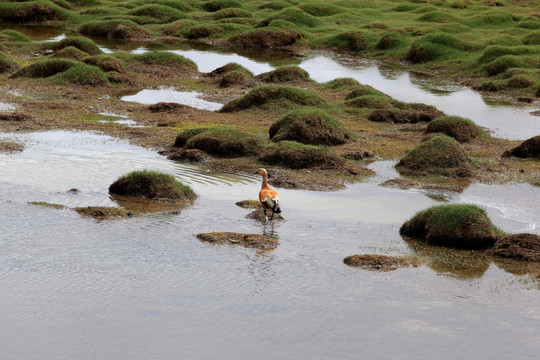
[[71, 52], [12, 35], [230, 67], [7, 64], [153, 186], [265, 38], [117, 29], [341, 84], [374, 262], [81, 74], [164, 58], [182, 138], [106, 63], [441, 155], [224, 141], [455, 225], [353, 41], [528, 149], [463, 130], [81, 43], [390, 40], [295, 155], [156, 14], [45, 68], [432, 47], [309, 126], [363, 90], [232, 78], [370, 101], [31, 11], [524, 247], [399, 116], [246, 240], [284, 74], [264, 94], [187, 155], [103, 212]]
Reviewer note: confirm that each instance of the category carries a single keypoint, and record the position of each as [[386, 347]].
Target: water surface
[[145, 287], [189, 98]]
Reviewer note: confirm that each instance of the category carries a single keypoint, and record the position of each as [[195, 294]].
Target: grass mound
[[354, 41], [437, 46], [102, 212], [264, 94], [309, 126], [12, 35], [441, 155], [528, 149], [295, 155], [118, 29], [223, 141], [7, 64], [340, 84], [106, 63], [456, 225], [31, 11], [216, 5], [157, 14], [463, 130], [374, 101], [284, 74], [222, 70], [165, 58], [363, 90], [232, 78], [71, 52], [390, 40], [81, 74], [405, 113], [265, 38], [182, 138], [81, 43], [45, 68], [153, 186]]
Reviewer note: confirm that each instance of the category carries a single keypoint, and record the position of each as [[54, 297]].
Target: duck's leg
[[271, 216], [264, 211]]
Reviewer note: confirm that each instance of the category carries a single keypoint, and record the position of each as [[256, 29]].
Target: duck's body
[[268, 197]]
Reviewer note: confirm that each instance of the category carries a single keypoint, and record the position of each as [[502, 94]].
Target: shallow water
[[145, 287], [189, 98]]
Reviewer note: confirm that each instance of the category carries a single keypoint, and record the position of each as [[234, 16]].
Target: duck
[[268, 197]]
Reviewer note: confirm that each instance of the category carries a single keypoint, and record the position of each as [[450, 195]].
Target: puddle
[[7, 107], [193, 99]]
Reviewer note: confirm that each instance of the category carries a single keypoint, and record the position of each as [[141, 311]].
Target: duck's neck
[[264, 183]]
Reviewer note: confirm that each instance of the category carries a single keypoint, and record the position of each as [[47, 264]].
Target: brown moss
[[10, 147], [518, 246], [187, 155], [14, 117], [374, 262], [284, 74], [246, 240], [167, 107], [398, 116], [298, 156], [103, 213]]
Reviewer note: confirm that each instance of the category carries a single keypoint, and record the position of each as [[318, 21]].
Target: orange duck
[[268, 197]]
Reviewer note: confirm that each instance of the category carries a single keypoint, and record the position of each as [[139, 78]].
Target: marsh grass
[[295, 155], [71, 52], [310, 126], [461, 129], [7, 64], [454, 225], [285, 74], [277, 95], [81, 43], [152, 185], [441, 155], [12, 35], [221, 141]]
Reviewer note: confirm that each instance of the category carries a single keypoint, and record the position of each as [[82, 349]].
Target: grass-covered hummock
[[45, 68], [7, 64], [309, 126], [117, 29], [222, 141], [281, 96], [441, 155], [103, 212], [528, 149], [106, 63], [12, 35], [284, 74], [463, 130], [71, 52], [81, 43], [153, 186], [461, 226], [265, 38], [32, 11], [295, 155], [163, 58]]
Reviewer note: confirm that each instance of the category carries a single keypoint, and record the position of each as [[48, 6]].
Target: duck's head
[[261, 172]]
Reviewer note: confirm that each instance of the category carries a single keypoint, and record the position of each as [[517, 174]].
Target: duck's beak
[[256, 172]]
